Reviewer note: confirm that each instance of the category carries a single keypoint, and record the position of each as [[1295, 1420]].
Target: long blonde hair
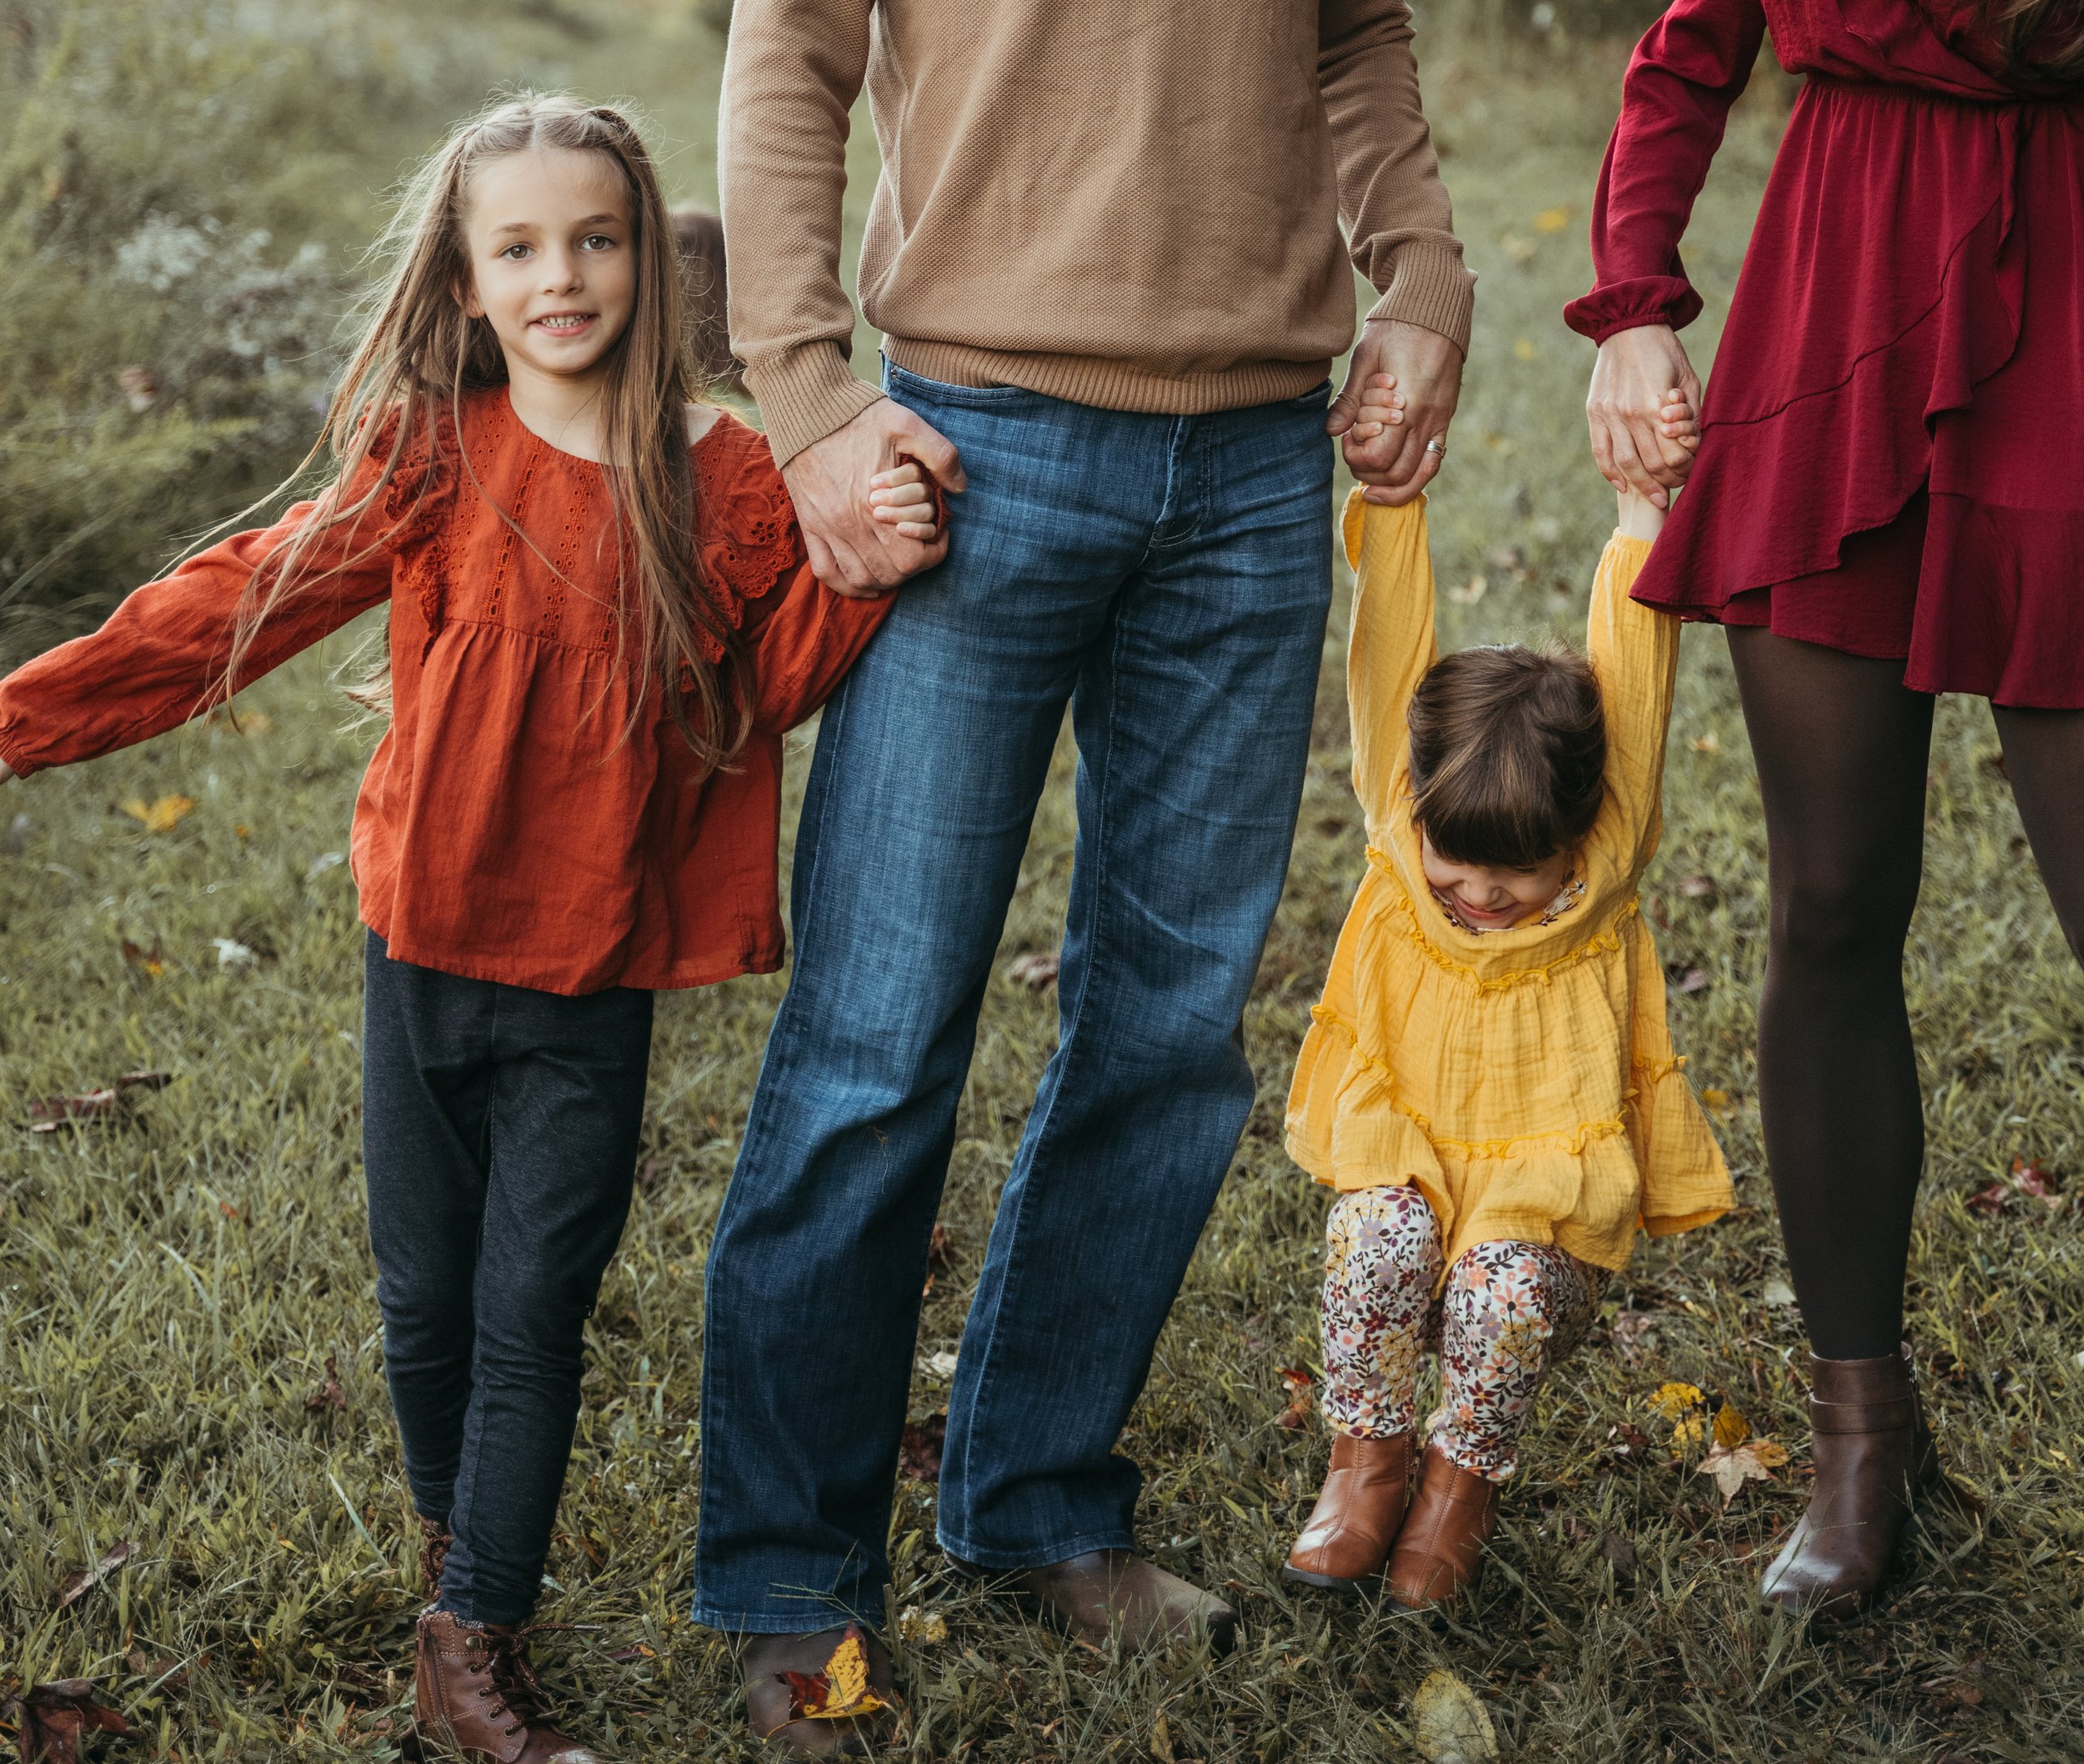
[[420, 352]]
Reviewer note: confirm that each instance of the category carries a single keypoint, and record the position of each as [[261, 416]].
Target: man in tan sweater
[[1105, 255]]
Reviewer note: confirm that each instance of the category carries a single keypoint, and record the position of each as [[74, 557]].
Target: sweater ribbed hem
[[804, 394], [1106, 383], [1433, 288]]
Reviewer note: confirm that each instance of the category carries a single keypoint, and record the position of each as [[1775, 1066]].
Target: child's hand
[[1382, 407], [1642, 519], [901, 498], [6, 772]]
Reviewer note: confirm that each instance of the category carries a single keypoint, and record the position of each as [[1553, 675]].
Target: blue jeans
[[1169, 577]]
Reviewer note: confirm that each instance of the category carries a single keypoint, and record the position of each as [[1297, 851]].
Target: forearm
[[1399, 221], [790, 77], [1393, 642], [1635, 652], [1690, 68]]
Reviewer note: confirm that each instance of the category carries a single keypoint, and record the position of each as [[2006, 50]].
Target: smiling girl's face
[[552, 262], [1491, 898]]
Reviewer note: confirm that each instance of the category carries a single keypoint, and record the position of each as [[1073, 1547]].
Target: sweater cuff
[[804, 393], [17, 757], [1615, 307], [1430, 286]]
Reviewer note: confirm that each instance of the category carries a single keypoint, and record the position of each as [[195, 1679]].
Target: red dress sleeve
[[1690, 68], [160, 659], [801, 637]]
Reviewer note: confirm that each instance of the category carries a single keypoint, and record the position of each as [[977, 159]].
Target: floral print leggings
[[1509, 1312]]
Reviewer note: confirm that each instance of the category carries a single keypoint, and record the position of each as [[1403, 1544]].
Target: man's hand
[[1639, 444], [830, 481], [1416, 374]]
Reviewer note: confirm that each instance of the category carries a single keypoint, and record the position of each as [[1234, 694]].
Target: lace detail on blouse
[[417, 503], [748, 540]]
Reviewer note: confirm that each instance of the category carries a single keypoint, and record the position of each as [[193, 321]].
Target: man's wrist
[[1431, 287], [804, 394]]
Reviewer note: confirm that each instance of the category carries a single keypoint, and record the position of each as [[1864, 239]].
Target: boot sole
[[1328, 1582]]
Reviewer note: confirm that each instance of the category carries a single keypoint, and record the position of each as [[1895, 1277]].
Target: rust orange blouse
[[506, 830]]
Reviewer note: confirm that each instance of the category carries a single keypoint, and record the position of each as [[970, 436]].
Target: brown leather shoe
[[1439, 1553], [1873, 1453], [436, 1539], [767, 1664], [473, 1691], [1357, 1516], [1107, 1593]]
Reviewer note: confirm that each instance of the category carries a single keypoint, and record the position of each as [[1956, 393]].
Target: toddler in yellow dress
[[1488, 1082]]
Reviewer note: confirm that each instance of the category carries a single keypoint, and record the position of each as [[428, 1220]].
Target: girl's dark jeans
[[499, 1132]]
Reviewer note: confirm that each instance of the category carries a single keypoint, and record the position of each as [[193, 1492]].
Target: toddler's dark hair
[[1508, 752]]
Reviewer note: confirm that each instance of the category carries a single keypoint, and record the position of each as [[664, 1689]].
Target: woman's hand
[[899, 497], [1641, 374]]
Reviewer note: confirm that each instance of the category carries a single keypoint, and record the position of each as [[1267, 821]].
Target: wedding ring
[[1437, 447]]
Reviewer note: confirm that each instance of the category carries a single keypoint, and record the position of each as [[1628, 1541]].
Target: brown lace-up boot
[[436, 1539], [1873, 1453], [472, 1689], [1357, 1516], [1439, 1553]]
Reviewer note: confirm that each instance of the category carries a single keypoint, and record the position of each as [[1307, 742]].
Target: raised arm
[[1635, 652], [160, 659], [1400, 229], [1393, 642]]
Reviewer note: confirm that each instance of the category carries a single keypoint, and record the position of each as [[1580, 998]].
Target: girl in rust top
[[1887, 503], [601, 623]]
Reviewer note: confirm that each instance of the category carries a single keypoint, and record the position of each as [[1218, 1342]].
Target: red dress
[[512, 825], [1893, 449]]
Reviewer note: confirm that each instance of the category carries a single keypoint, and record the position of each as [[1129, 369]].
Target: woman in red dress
[[1886, 502]]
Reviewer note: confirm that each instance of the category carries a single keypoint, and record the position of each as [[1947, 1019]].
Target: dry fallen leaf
[[1552, 220], [918, 1452], [1731, 1428], [231, 952], [1777, 1292], [87, 1579], [1301, 1386], [941, 1365], [2032, 1178], [1628, 1443], [161, 815], [921, 1627], [328, 1397], [151, 962], [1719, 1102], [1619, 1553], [940, 1247], [1635, 1333], [1672, 1399], [51, 1717], [841, 1691], [1988, 1201], [1754, 1461], [1035, 971], [1448, 1724], [53, 1112]]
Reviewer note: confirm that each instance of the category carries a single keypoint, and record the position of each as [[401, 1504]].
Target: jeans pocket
[[901, 383]]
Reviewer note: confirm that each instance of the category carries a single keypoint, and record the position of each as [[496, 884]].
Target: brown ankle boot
[[1872, 1453], [1356, 1517], [1440, 1552], [435, 1541], [473, 1691]]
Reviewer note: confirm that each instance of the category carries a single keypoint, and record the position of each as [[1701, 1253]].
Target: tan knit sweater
[[1128, 203]]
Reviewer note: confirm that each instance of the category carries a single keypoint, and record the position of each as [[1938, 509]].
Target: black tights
[[1842, 746]]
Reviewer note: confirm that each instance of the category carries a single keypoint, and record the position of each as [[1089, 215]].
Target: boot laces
[[503, 1657]]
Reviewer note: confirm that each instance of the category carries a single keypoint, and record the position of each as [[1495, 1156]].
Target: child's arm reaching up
[[1393, 640], [1635, 651]]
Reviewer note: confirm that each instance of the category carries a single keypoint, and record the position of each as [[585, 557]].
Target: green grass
[[172, 1287]]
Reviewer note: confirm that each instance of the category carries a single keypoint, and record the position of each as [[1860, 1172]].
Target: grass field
[[189, 1359]]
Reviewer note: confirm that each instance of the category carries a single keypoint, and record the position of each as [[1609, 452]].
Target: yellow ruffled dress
[[1523, 1079]]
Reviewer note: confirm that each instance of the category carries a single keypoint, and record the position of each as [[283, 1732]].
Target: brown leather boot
[[436, 1539], [1872, 1453], [1357, 1516], [769, 1664], [473, 1691], [1439, 1553], [1115, 1593]]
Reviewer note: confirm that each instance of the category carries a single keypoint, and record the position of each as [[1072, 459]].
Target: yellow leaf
[[922, 1627], [1672, 1400], [1731, 1428], [844, 1692], [1448, 1724], [1689, 1431], [1523, 347], [161, 816], [1552, 220]]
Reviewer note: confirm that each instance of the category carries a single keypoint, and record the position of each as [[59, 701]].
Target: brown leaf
[[1988, 1201], [1301, 1386], [918, 1452], [1035, 971], [1732, 1467], [1619, 1553], [53, 1716], [151, 963], [87, 1579], [940, 1247], [328, 1398], [53, 1112], [1629, 1442], [2034, 1179]]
